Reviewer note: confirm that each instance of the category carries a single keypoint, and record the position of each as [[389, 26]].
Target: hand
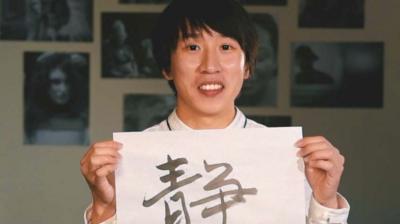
[[323, 168], [98, 166]]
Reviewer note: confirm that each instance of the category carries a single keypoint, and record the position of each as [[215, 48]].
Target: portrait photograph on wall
[[142, 111], [261, 88], [272, 121], [47, 20], [337, 74], [127, 47], [331, 14], [56, 98]]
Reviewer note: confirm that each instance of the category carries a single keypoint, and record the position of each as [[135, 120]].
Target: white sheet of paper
[[261, 158]]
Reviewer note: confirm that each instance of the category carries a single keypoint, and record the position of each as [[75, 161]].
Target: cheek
[[52, 89], [189, 62], [181, 64], [67, 91], [234, 63]]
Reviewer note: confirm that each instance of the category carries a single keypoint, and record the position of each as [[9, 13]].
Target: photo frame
[[56, 98], [333, 74], [47, 20], [127, 47], [331, 14]]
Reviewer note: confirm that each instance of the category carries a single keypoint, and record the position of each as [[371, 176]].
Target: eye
[[193, 47], [55, 81], [226, 47]]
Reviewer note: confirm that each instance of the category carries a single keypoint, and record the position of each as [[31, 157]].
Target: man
[[308, 74], [206, 48]]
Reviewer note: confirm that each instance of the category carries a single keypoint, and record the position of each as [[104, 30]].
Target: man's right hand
[[98, 166]]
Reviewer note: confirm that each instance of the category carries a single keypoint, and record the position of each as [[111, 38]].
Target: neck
[[206, 121]]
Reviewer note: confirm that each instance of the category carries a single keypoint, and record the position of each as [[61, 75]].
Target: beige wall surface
[[43, 184]]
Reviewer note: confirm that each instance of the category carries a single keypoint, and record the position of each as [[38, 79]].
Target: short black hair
[[183, 17]]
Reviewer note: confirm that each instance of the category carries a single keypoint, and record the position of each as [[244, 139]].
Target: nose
[[62, 87], [210, 62]]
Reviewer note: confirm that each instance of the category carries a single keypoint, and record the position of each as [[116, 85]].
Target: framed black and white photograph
[[264, 2], [127, 47], [145, 1], [331, 14], [47, 20], [261, 88], [337, 74], [142, 111], [56, 98], [272, 121]]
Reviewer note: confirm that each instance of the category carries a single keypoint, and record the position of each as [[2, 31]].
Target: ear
[[167, 75], [246, 73]]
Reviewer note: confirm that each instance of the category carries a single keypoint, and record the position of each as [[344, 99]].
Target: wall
[[42, 184]]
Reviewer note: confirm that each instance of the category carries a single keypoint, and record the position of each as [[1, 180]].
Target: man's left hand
[[324, 166]]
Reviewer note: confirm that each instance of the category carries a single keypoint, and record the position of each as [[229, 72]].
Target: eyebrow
[[194, 35], [198, 34]]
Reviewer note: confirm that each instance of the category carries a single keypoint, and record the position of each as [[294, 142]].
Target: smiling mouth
[[211, 87]]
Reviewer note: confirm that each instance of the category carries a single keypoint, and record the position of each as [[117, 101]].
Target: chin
[[213, 109]]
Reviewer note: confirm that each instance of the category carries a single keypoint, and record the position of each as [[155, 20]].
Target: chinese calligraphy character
[[237, 195], [170, 219], [172, 177], [219, 182]]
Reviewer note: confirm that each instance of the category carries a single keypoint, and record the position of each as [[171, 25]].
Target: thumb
[[105, 190]]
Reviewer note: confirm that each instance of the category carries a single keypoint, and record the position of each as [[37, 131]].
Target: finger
[[99, 151], [85, 155], [309, 140], [99, 161], [321, 164], [108, 144], [106, 170], [324, 165], [322, 155], [111, 178], [100, 146], [313, 147]]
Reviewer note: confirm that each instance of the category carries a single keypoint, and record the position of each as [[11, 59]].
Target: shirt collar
[[177, 124]]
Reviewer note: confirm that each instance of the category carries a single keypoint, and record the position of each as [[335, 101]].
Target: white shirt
[[317, 214]]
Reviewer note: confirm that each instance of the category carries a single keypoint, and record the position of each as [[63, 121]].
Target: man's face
[[120, 33], [208, 70], [59, 90]]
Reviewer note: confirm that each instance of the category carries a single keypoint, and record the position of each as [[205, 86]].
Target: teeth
[[211, 87]]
